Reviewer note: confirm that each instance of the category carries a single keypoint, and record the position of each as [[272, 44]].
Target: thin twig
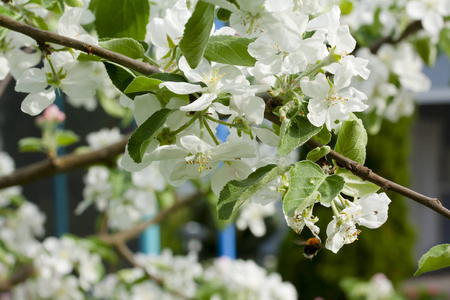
[[126, 253], [409, 30], [61, 164]]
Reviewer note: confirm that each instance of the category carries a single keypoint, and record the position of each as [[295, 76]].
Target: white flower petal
[[374, 211], [231, 150], [35, 103], [317, 88], [181, 88], [194, 144], [416, 9], [200, 104], [267, 136], [32, 81]]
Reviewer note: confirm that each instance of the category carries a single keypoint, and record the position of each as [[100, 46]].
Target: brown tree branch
[[43, 37], [21, 275], [126, 253], [47, 168], [61, 164], [409, 30]]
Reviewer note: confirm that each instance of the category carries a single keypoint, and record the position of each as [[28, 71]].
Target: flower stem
[[314, 69], [334, 208], [185, 126], [220, 121], [210, 132], [51, 65]]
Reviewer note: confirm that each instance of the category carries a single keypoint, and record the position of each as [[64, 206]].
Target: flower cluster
[[125, 198], [185, 277], [55, 266]]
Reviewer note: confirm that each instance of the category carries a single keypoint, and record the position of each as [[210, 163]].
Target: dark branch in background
[[61, 164], [409, 30], [72, 162], [129, 256], [129, 234], [21, 275]]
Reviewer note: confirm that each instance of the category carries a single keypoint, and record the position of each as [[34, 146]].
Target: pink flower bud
[[51, 113]]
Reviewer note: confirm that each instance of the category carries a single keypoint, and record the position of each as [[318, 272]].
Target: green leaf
[[146, 132], [143, 84], [346, 7], [196, 33], [317, 153], [437, 257], [355, 186], [7, 12], [294, 133], [31, 144], [229, 49], [126, 46], [330, 188], [52, 5], [427, 50], [66, 138], [444, 40], [121, 77], [122, 18], [236, 192], [307, 184], [88, 57], [324, 136], [352, 141], [168, 77], [223, 15], [74, 3]]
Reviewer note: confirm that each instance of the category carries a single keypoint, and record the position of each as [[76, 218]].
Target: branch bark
[[126, 253], [42, 37], [21, 275], [62, 164], [72, 162], [409, 30]]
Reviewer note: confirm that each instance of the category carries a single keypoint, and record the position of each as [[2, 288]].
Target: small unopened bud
[[51, 114]]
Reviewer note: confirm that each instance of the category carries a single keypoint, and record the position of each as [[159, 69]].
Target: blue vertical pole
[[150, 239], [60, 194]]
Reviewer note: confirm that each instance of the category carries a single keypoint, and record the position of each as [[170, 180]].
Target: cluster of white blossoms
[[184, 277], [63, 269], [21, 223], [127, 199]]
